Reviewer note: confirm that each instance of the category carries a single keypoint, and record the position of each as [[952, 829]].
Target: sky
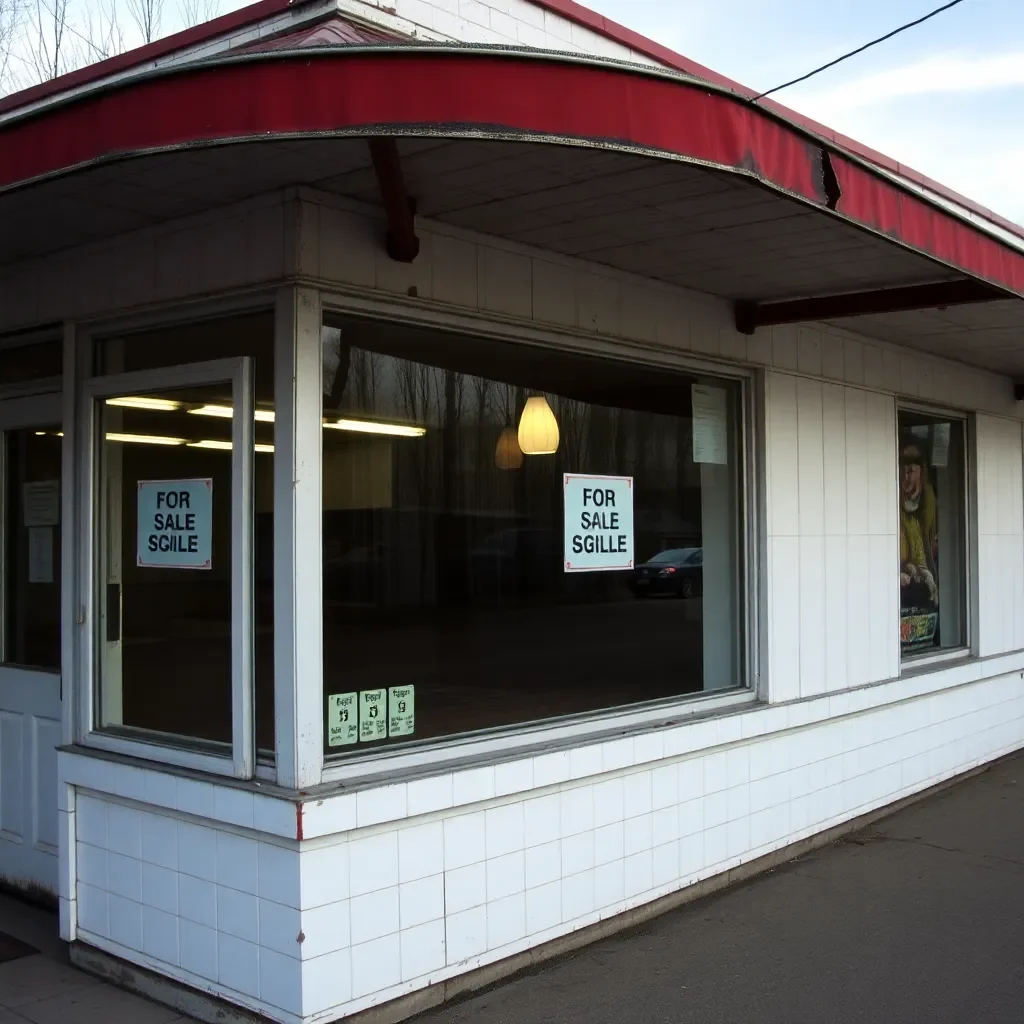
[[946, 97]]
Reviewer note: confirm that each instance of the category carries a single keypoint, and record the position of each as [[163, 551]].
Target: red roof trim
[[627, 37], [438, 92], [205, 32]]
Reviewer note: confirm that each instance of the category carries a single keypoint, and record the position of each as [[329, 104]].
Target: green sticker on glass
[[401, 711], [342, 720], [373, 715]]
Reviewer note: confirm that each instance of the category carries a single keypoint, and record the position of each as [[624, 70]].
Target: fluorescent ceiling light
[[374, 427], [145, 439], [225, 412], [138, 402], [223, 446], [226, 446]]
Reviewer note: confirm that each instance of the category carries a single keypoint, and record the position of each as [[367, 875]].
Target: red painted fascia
[[194, 36], [339, 92], [641, 44]]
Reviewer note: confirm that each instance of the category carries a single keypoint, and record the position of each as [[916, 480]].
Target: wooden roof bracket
[[400, 241], [751, 315]]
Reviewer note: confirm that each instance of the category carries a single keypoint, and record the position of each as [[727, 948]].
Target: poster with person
[[919, 540]]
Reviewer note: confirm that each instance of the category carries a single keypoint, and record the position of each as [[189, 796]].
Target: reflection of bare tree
[[364, 375], [572, 426], [624, 421], [482, 437]]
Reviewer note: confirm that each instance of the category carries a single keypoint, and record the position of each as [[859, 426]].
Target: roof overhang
[[651, 172]]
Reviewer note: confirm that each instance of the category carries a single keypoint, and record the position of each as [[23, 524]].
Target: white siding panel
[[856, 462], [858, 609], [812, 614], [834, 443], [836, 621], [811, 458], [785, 619], [1000, 535], [783, 461]]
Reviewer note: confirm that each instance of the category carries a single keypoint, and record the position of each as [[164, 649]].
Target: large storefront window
[[513, 534], [166, 639], [932, 518]]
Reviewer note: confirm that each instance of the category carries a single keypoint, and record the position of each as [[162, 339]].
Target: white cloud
[[937, 75]]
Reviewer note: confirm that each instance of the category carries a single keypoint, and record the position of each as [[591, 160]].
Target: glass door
[[171, 453]]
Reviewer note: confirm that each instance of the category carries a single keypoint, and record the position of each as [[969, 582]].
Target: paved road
[[919, 919]]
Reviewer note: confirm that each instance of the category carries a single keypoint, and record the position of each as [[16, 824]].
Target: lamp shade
[[538, 428], [507, 453]]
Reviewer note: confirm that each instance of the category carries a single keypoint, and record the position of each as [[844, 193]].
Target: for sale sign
[[598, 522]]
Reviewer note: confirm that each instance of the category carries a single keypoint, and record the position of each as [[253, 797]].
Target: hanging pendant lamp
[[538, 428], [507, 453]]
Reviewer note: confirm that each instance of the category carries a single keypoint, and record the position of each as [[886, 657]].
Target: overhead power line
[[860, 49]]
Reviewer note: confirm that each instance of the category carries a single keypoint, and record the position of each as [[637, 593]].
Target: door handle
[[113, 612]]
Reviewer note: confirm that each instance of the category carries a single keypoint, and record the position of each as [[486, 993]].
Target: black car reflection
[[678, 571]]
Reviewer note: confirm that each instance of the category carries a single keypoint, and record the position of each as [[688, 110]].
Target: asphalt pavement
[[919, 918]]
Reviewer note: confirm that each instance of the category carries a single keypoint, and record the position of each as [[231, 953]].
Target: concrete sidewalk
[[918, 919], [44, 988]]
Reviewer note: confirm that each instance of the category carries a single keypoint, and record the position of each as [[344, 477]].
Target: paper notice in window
[[710, 433], [342, 719], [401, 711], [40, 554], [373, 715], [42, 503]]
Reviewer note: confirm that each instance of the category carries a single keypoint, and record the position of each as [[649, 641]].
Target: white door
[[30, 681]]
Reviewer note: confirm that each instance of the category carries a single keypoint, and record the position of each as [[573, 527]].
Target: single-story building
[[471, 478]]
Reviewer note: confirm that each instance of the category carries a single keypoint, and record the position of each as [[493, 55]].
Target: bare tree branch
[[51, 51], [104, 35], [195, 12], [9, 20], [147, 15]]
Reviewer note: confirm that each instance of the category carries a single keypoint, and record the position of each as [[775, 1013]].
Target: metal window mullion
[[86, 452], [68, 531], [298, 516], [242, 642]]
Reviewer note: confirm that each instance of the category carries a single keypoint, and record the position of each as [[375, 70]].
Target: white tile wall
[[188, 896], [832, 536], [1000, 535], [509, 22]]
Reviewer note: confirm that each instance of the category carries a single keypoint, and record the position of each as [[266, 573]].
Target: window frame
[[603, 723], [238, 371], [938, 659]]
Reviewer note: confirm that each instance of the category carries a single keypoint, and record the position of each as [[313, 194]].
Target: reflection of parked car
[[677, 571]]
